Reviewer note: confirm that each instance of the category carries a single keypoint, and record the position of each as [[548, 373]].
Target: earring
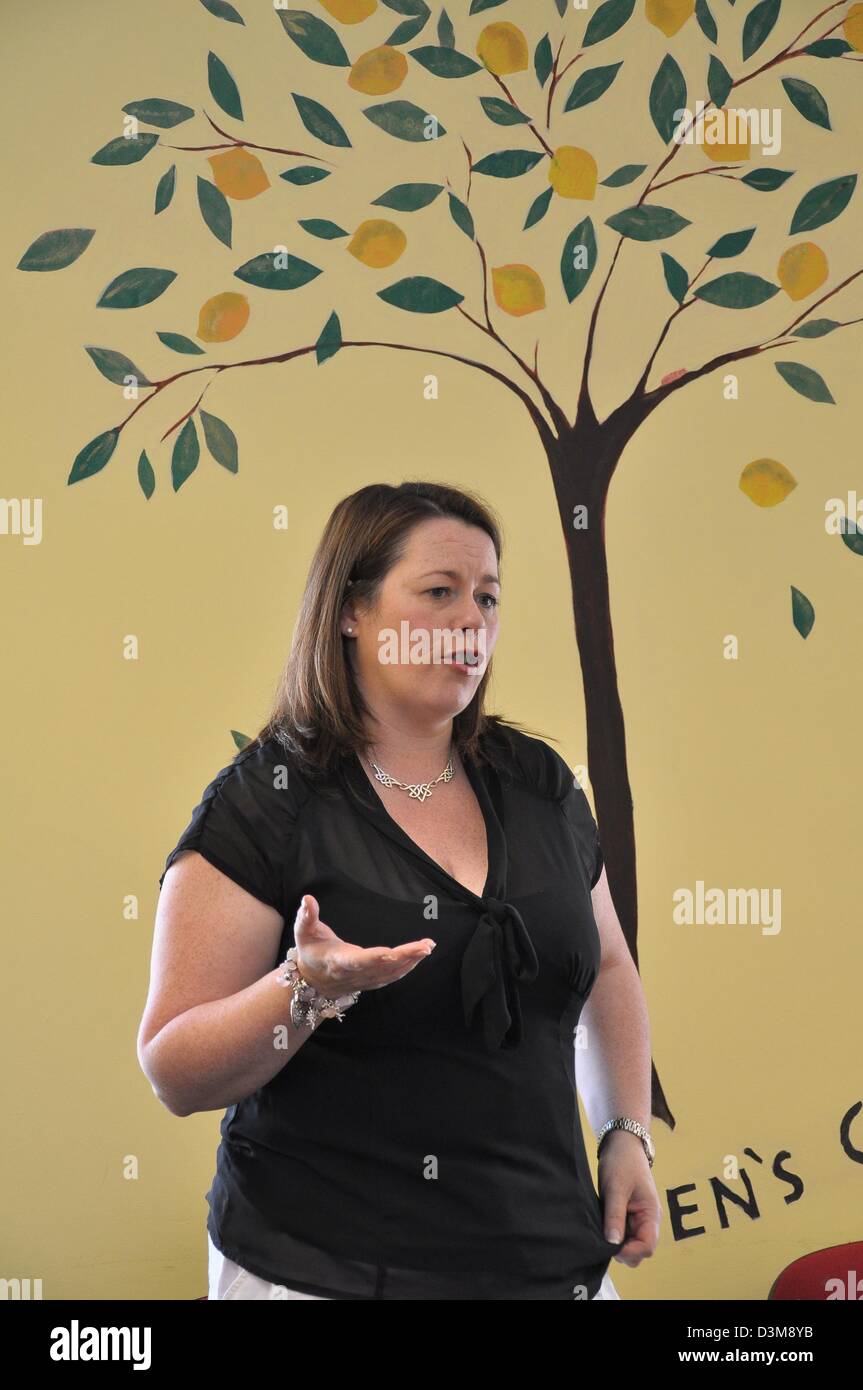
[[350, 629]]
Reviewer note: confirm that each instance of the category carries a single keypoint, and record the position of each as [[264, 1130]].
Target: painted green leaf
[[758, 24], [305, 173], [561, 7], [805, 381], [766, 180], [667, 95], [215, 210], [543, 60], [508, 164], [579, 247], [591, 85], [404, 121], [319, 121], [222, 10], [802, 612], [223, 88], [314, 37], [418, 8], [828, 48], [56, 250], [178, 342], [115, 366], [823, 203], [146, 476], [538, 208], [502, 112], [461, 216], [676, 277], [732, 244], [611, 16], [221, 441], [445, 31], [737, 290], [627, 173], [444, 62], [808, 100], [94, 455], [133, 288], [185, 455], [815, 328], [330, 340], [158, 111], [262, 271], [241, 740], [719, 81], [647, 223], [409, 197], [851, 534], [322, 227], [125, 151], [706, 20], [165, 189], [477, 5], [407, 31], [421, 295]]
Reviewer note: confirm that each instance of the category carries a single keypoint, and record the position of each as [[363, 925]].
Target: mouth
[[470, 666]]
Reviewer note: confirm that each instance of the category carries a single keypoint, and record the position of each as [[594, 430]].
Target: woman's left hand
[[630, 1202]]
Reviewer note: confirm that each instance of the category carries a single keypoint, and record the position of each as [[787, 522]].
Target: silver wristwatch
[[624, 1122]]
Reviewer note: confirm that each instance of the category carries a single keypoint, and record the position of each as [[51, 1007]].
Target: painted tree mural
[[519, 62]]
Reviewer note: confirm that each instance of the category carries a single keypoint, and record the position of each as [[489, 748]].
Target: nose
[[471, 638]]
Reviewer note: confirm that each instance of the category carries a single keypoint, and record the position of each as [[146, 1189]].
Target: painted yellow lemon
[[238, 173], [502, 47], [572, 172], [378, 71], [517, 289], [350, 11], [766, 482], [223, 317], [852, 27], [802, 268], [669, 15], [730, 149], [377, 242]]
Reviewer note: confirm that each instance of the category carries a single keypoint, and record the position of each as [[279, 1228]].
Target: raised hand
[[335, 967]]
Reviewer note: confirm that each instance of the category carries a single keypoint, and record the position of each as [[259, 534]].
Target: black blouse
[[428, 1145]]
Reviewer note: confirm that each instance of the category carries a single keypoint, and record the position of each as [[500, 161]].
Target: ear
[[348, 618]]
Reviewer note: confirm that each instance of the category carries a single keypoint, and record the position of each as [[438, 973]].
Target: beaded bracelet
[[308, 1007]]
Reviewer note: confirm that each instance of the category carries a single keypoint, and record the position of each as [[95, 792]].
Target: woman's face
[[418, 600]]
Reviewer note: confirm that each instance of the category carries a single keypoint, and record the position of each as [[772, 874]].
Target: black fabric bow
[[499, 955]]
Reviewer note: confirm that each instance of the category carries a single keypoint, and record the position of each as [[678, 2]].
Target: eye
[[444, 589]]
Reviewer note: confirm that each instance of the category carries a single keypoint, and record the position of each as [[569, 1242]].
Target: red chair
[[835, 1272]]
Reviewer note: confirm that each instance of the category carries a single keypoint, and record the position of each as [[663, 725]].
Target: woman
[[397, 1056]]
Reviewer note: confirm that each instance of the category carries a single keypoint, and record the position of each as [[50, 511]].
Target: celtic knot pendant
[[419, 791]]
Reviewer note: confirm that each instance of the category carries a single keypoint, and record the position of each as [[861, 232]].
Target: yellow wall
[[744, 772]]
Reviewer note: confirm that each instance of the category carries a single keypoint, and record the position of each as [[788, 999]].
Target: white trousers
[[228, 1280]]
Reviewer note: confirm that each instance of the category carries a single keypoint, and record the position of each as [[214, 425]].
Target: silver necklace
[[418, 790]]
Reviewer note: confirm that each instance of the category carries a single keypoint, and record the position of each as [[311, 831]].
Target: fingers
[[376, 966]]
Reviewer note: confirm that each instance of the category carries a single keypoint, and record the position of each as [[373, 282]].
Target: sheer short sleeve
[[576, 808], [245, 820], [542, 767]]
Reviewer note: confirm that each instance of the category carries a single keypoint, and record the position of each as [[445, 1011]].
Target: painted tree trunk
[[582, 465]]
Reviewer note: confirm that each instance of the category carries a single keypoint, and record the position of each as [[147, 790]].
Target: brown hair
[[318, 710]]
